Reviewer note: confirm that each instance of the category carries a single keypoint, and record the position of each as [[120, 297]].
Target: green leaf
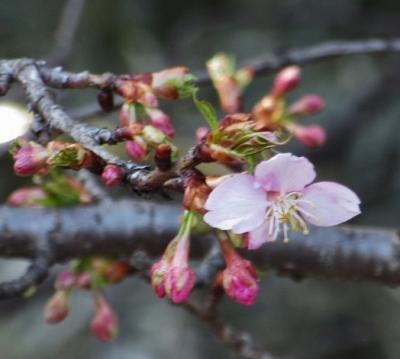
[[208, 113]]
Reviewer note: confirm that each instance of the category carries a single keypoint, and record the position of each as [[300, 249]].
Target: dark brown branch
[[271, 63], [120, 228]]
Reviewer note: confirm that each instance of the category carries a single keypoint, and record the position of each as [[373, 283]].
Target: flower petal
[[328, 204], [257, 237], [236, 205], [284, 173]]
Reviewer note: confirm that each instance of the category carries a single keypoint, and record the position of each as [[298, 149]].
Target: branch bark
[[123, 227]]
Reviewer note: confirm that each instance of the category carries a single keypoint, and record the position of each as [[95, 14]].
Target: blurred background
[[303, 320]]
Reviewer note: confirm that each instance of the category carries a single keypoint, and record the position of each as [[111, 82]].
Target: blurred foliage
[[310, 319]]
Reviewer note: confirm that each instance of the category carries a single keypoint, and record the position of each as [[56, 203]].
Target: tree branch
[[66, 31], [270, 63], [120, 228]]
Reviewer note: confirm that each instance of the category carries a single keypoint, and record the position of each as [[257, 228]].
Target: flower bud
[[57, 308], [127, 114], [157, 275], [65, 281], [163, 157], [310, 136], [83, 280], [266, 113], [180, 278], [221, 69], [161, 121], [137, 149], [179, 282], [153, 136], [286, 80], [196, 192], [239, 279], [104, 324], [201, 133], [112, 175], [307, 105], [27, 197], [117, 271], [30, 160], [166, 83], [105, 99]]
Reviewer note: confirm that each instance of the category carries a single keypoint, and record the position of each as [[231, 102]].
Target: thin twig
[[66, 32]]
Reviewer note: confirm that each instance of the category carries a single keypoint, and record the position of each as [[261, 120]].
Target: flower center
[[284, 214]]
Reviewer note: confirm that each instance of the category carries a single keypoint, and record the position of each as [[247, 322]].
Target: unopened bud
[[161, 121], [163, 157], [117, 271], [239, 279], [27, 197], [179, 282], [157, 275], [30, 160], [137, 148], [286, 80], [127, 114], [222, 72], [83, 280], [104, 324], [65, 281], [57, 308], [201, 133], [307, 105], [166, 83], [310, 136], [112, 175], [105, 99], [153, 136]]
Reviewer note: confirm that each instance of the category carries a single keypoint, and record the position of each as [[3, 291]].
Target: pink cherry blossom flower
[[278, 198]]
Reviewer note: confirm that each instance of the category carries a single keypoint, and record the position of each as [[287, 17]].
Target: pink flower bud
[[286, 80], [57, 308], [157, 274], [112, 175], [201, 133], [83, 280], [240, 281], [307, 105], [27, 197], [104, 324], [166, 83], [29, 160], [65, 281], [153, 136], [137, 148], [310, 136], [161, 121], [180, 278], [127, 114], [179, 282]]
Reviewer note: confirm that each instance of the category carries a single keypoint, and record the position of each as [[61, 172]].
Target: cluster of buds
[[54, 191], [31, 158], [146, 127], [272, 113], [239, 279], [236, 139], [172, 276], [88, 274], [228, 81]]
